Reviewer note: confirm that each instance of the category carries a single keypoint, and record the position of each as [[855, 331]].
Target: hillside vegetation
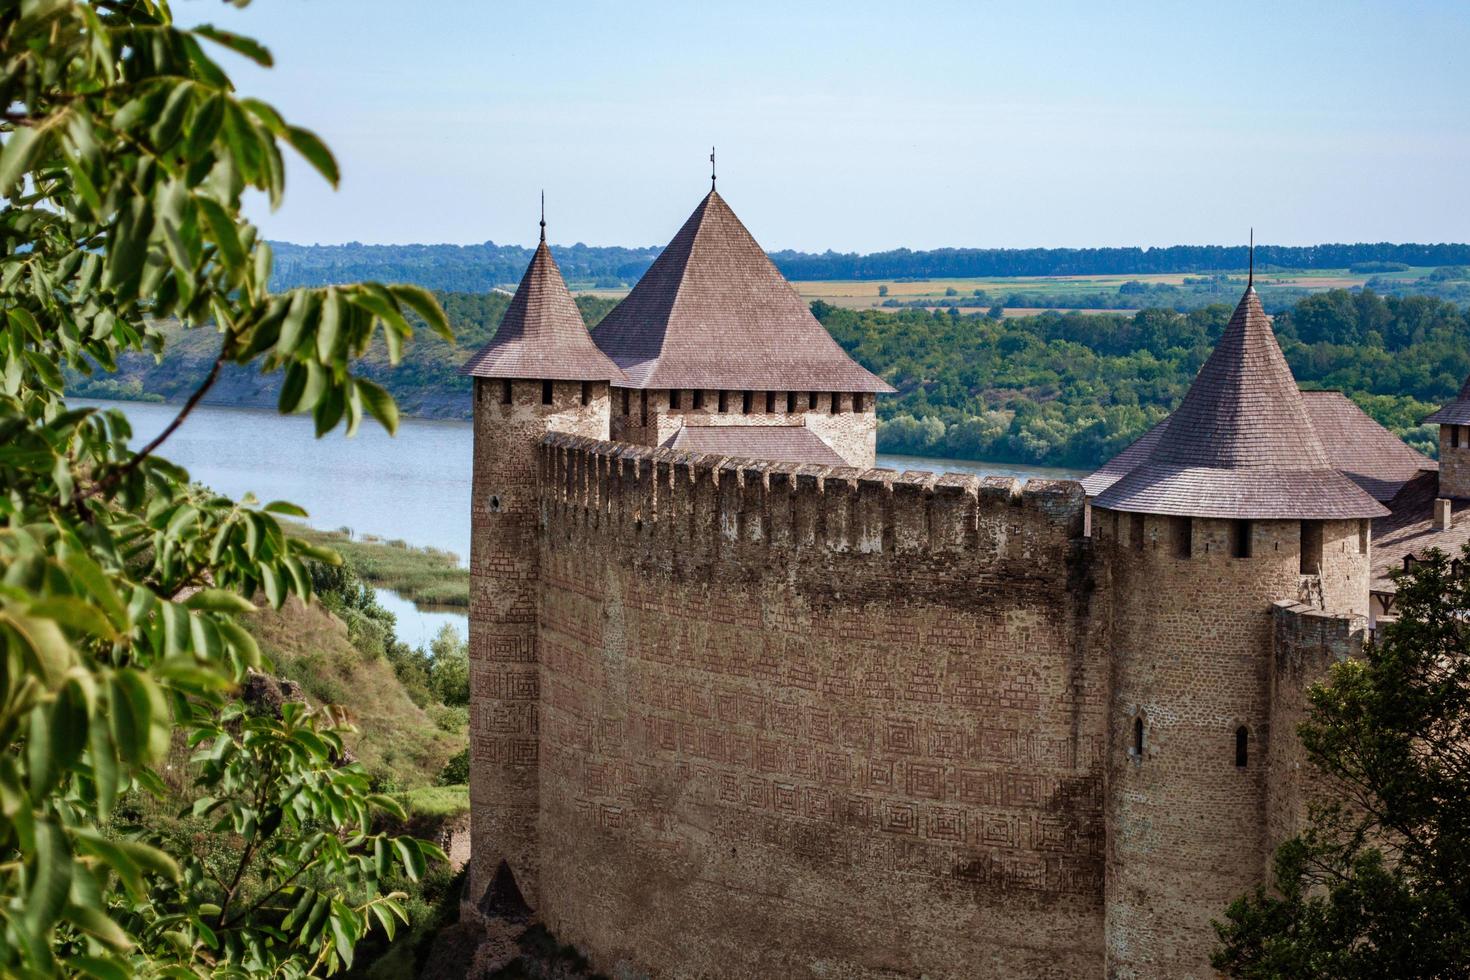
[[1065, 389]]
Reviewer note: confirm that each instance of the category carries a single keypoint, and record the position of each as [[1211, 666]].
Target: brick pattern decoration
[[802, 721], [1187, 829]]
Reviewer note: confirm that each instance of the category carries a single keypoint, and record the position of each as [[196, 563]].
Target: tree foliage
[[1073, 389], [1377, 884], [126, 151]]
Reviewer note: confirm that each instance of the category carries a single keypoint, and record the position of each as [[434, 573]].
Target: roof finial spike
[[543, 215], [712, 169], [1250, 282]]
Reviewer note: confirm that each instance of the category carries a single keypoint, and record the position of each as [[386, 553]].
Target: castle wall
[[1306, 643], [647, 418], [1454, 461], [504, 567], [807, 721], [1192, 635]]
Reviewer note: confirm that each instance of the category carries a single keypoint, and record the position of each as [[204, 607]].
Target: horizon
[[947, 127]]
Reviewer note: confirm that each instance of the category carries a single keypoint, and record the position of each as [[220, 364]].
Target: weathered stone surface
[[736, 718]]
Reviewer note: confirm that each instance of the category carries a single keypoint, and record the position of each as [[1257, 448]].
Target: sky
[[867, 126]]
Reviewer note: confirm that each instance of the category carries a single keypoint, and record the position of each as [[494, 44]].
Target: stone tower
[[721, 355], [1454, 445], [541, 373], [1226, 508]]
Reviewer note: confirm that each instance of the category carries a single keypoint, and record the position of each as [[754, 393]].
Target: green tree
[[450, 672], [126, 150], [1377, 884]]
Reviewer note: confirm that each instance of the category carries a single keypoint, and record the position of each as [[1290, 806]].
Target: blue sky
[[865, 126]]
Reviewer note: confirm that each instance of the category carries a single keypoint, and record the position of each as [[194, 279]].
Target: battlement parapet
[[685, 496], [1308, 639]]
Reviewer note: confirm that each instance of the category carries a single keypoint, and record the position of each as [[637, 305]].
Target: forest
[[1073, 389], [1062, 389], [478, 268]]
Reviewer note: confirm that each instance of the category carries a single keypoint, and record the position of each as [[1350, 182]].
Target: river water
[[415, 486]]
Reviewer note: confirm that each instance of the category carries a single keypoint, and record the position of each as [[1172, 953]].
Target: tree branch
[[112, 478]]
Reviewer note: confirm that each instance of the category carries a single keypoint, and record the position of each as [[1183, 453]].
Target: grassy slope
[[395, 736], [427, 577]]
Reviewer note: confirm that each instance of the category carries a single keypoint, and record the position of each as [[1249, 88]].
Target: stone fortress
[[743, 705]]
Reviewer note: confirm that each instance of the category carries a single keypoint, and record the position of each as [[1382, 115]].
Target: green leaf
[[139, 717], [43, 643], [379, 403], [17, 156], [220, 601], [422, 302], [95, 922], [98, 968], [315, 151], [51, 879], [284, 507], [225, 235], [248, 47], [104, 769], [412, 856], [75, 614]]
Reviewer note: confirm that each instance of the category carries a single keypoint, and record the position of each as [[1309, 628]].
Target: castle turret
[[1454, 445], [541, 373], [1229, 506], [715, 341]]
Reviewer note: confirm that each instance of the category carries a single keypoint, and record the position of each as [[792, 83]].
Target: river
[[415, 486]]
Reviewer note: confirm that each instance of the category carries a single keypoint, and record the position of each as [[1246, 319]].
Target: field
[[878, 293]]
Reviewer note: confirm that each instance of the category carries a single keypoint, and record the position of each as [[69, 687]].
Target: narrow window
[[1138, 736], [1311, 547], [1136, 522], [1240, 539], [1454, 437], [479, 390], [1183, 528], [674, 398], [698, 399], [586, 392], [546, 392], [857, 401], [505, 394], [1363, 536], [1242, 747], [836, 403], [745, 398], [770, 402], [790, 402], [643, 407], [626, 395], [811, 400]]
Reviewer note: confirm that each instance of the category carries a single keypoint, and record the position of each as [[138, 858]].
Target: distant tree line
[[1073, 389], [479, 268], [1064, 389]]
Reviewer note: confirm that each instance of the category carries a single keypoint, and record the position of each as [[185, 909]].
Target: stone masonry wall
[[1454, 461], [1306, 643], [649, 420], [806, 721], [1192, 640], [505, 683]]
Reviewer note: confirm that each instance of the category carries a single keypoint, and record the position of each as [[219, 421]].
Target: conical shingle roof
[[1241, 444], [542, 334], [1456, 412], [713, 312]]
